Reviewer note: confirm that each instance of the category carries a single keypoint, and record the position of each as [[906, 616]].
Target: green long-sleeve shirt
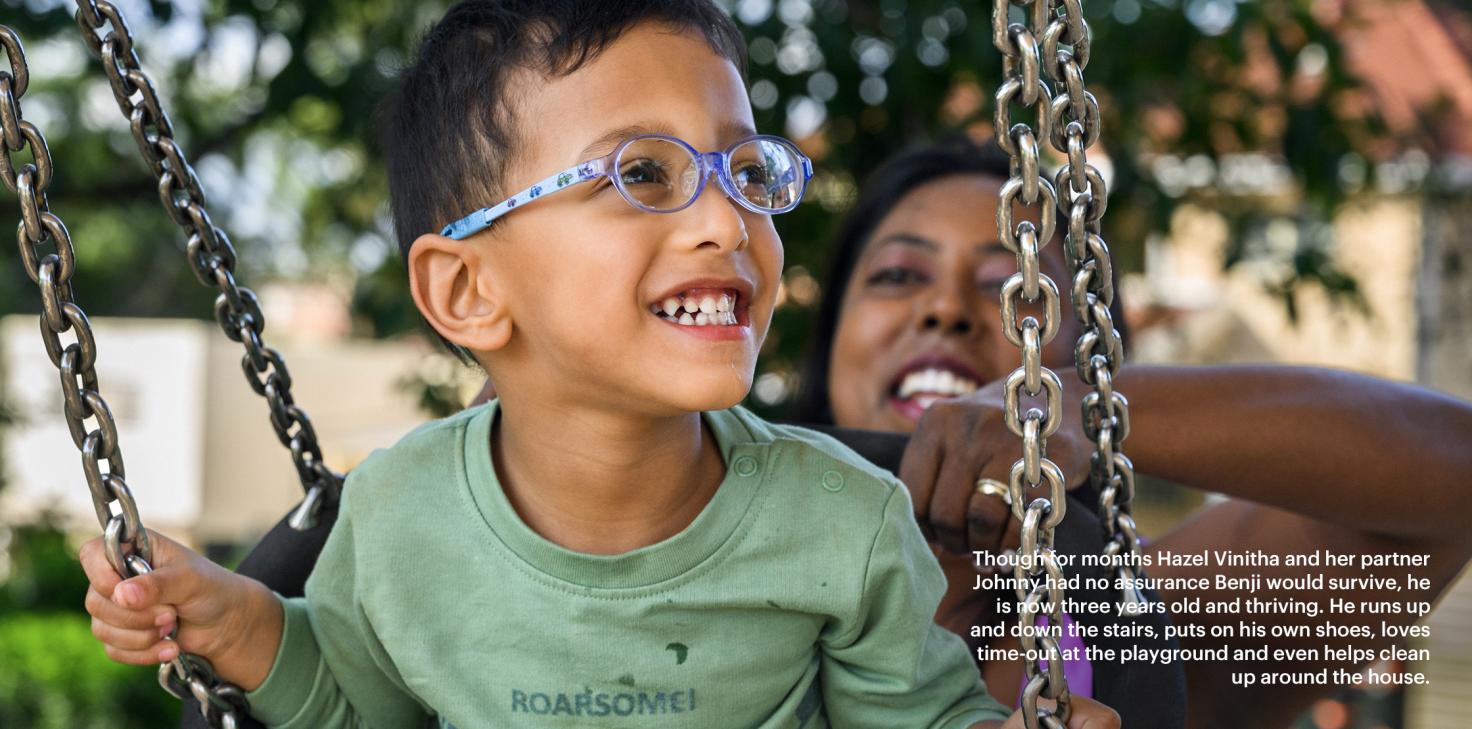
[[802, 596]]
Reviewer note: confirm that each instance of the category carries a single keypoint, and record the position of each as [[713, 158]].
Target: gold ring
[[993, 487]]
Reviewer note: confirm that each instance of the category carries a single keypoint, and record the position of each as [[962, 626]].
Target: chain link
[[1070, 120], [211, 256], [1039, 576], [1075, 123], [125, 539]]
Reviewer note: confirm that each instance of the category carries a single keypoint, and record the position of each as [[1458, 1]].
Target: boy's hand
[[233, 621], [1087, 714]]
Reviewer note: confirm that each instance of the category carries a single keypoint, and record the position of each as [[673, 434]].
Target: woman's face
[[921, 316]]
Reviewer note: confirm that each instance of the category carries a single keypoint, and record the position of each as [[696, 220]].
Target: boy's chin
[[702, 396]]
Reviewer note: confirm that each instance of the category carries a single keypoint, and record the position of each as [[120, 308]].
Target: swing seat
[[1147, 696]]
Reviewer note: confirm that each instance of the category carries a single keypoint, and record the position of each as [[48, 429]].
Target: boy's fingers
[[167, 586], [99, 571], [125, 638], [114, 614], [160, 652]]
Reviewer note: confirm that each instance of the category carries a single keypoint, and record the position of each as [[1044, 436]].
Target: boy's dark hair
[[449, 127]]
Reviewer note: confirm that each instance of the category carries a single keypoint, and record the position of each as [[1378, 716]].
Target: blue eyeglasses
[[662, 174]]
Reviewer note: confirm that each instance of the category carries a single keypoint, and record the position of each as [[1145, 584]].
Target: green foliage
[[43, 572], [1171, 78], [286, 143], [57, 677]]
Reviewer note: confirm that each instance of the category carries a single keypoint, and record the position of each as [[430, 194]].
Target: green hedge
[[56, 676], [53, 672]]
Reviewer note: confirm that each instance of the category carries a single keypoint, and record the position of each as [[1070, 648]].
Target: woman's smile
[[921, 311], [928, 378]]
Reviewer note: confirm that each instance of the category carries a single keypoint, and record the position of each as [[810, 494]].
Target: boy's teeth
[[702, 319], [935, 384], [709, 310]]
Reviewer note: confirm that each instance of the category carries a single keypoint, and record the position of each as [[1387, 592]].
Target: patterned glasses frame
[[717, 163]]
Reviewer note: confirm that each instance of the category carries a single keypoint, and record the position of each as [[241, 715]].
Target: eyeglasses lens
[[657, 174], [661, 175], [768, 174]]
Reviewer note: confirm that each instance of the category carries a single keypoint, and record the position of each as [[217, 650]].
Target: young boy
[[611, 543]]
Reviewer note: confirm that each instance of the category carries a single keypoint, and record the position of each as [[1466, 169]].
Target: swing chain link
[[211, 256], [1037, 571], [125, 539], [1074, 119]]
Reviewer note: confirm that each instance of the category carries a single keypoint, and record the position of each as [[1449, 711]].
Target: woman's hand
[[960, 440], [233, 621], [1086, 714]]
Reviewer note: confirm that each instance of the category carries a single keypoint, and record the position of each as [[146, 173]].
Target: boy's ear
[[454, 291]]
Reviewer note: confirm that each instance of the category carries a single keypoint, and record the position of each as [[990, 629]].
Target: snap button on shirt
[[833, 481], [745, 466]]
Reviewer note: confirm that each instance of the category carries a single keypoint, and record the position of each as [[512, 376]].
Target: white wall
[[152, 375], [201, 456]]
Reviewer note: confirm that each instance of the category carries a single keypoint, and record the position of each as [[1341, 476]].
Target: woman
[[1312, 458]]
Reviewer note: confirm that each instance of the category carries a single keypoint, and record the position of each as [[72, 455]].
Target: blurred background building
[[1291, 181]]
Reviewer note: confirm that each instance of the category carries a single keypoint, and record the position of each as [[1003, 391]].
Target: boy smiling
[[613, 542]]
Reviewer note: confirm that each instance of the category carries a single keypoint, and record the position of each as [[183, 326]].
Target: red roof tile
[[1417, 62]]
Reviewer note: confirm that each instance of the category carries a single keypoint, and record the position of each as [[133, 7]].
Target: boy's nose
[[720, 226]]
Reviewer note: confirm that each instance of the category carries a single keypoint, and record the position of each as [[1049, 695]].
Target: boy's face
[[582, 272]]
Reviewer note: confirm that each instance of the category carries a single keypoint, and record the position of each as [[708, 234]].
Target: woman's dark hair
[[954, 156]]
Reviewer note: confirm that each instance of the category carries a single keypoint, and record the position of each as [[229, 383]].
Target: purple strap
[[1080, 673]]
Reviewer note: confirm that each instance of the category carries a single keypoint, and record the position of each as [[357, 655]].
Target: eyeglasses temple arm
[[482, 219]]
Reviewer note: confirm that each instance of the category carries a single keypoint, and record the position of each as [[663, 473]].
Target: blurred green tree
[[274, 101]]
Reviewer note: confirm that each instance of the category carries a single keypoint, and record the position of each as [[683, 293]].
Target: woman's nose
[[950, 313], [948, 324]]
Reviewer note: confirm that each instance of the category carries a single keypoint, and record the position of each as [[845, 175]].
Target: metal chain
[[1039, 575], [124, 536], [1075, 123], [211, 256]]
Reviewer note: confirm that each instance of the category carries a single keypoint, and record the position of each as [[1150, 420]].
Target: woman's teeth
[[698, 311], [928, 385]]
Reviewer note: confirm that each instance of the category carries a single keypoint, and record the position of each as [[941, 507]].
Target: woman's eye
[[642, 172], [895, 276], [991, 284]]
